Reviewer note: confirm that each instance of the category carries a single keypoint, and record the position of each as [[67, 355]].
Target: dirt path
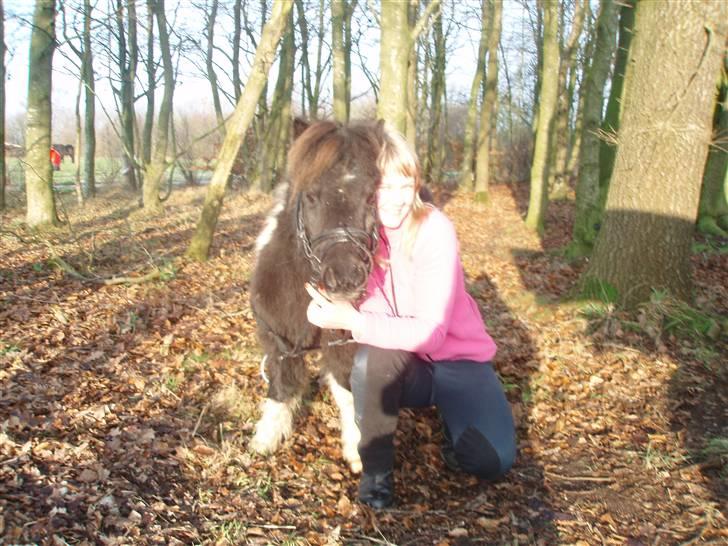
[[125, 410]]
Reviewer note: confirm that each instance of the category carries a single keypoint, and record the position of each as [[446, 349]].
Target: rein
[[365, 242]]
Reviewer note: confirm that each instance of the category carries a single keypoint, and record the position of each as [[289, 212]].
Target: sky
[[193, 93]]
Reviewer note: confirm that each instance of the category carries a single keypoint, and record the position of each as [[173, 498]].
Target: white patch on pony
[[271, 221], [350, 434], [274, 426], [349, 176]]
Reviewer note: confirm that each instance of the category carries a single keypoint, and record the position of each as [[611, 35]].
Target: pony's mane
[[324, 144]]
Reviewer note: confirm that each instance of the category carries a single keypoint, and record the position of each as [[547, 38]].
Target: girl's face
[[395, 197]]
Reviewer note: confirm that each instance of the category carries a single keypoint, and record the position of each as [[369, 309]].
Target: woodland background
[[583, 160]]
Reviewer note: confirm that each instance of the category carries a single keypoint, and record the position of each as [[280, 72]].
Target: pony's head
[[334, 177]]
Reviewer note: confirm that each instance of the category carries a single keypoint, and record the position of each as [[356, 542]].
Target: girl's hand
[[326, 313]]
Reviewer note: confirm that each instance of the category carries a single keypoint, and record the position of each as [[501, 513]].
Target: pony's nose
[[344, 278]]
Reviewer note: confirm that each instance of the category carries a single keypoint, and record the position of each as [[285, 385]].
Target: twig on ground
[[602, 479]]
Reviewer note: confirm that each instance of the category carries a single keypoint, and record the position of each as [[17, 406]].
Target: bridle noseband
[[365, 242]]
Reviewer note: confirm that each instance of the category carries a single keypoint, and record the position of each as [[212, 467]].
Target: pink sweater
[[419, 303]]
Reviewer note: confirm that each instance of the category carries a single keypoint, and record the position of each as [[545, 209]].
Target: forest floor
[[126, 409]]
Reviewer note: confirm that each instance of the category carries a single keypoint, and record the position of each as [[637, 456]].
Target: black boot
[[376, 490]]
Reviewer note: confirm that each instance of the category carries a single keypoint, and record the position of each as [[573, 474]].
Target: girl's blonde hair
[[398, 156]]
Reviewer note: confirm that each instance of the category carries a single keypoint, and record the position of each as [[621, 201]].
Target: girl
[[422, 339]]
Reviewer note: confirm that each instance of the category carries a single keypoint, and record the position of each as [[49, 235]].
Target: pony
[[323, 230]]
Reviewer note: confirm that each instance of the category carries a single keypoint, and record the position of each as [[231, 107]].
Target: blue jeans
[[469, 396]]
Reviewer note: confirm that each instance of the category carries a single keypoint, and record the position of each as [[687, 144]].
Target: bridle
[[365, 242]]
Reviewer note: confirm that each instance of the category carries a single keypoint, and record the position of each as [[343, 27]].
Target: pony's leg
[[350, 435], [287, 381]]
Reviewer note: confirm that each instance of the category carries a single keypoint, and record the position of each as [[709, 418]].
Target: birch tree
[[41, 207], [652, 204], [237, 127]]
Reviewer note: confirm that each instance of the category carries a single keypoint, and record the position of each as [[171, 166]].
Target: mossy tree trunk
[[154, 172], [151, 88], [588, 207], [41, 207], [279, 124], [127, 58], [482, 163], [471, 120], [237, 127], [652, 204], [397, 37], [548, 95], [559, 140], [610, 124], [713, 215]]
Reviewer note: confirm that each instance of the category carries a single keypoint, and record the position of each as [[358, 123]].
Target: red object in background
[[55, 160]]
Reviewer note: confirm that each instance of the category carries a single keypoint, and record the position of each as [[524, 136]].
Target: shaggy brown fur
[[332, 168]]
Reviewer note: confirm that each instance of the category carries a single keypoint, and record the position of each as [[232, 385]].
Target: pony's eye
[[311, 198]]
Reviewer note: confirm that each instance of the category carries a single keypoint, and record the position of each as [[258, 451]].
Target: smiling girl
[[423, 341]]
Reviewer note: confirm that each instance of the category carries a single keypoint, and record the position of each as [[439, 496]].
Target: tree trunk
[[78, 142], [41, 207], [432, 170], [237, 9], [211, 76], [278, 134], [3, 168], [482, 165], [155, 170], [339, 53], [394, 52], [588, 207], [548, 95], [237, 127], [412, 77], [151, 88], [89, 115], [652, 204], [610, 125], [558, 183], [466, 171], [713, 216]]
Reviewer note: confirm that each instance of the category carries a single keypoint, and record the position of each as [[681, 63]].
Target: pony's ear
[[299, 126]]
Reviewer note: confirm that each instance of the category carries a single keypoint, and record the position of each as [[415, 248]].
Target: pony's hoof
[[351, 456], [355, 466], [274, 426], [264, 444]]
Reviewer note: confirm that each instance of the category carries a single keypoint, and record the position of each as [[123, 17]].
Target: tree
[[547, 97], [154, 171], [41, 207], [482, 165], [558, 186], [396, 40], [89, 116], [341, 12], [471, 120], [237, 127], [610, 124], [588, 207], [432, 168], [2, 106], [279, 122], [151, 87], [652, 203], [713, 215], [210, 17]]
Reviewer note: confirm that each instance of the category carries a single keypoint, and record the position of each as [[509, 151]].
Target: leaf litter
[[126, 410]]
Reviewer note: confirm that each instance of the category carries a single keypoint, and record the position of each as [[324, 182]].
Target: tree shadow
[[653, 399]]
